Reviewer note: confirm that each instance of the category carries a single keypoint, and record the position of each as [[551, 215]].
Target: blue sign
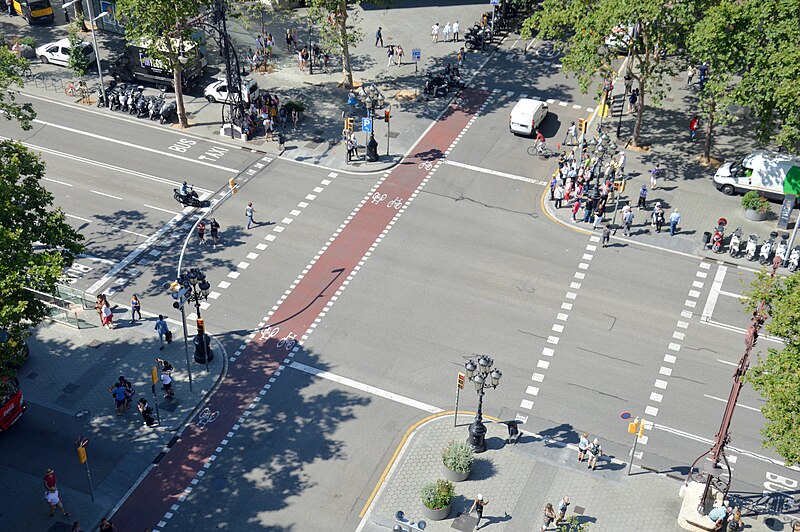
[[494, 2], [416, 54], [366, 125]]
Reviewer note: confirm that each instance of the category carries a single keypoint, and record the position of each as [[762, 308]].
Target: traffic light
[[233, 186], [581, 126], [636, 426], [349, 123], [201, 326], [460, 381], [82, 455], [386, 116]]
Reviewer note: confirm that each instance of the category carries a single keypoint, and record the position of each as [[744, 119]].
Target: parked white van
[[771, 174], [526, 116]]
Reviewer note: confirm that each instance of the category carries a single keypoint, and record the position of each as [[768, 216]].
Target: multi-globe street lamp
[[195, 281], [482, 375]]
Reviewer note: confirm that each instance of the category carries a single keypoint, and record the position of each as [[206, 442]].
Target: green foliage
[[572, 524], [330, 18], [777, 376], [11, 68], [294, 105], [753, 201], [77, 62], [36, 244], [438, 494], [458, 457], [28, 41]]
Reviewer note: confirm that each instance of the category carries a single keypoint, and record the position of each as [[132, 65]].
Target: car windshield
[[7, 390], [35, 6]]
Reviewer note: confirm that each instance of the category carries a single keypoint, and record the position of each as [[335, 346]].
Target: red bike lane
[[153, 501]]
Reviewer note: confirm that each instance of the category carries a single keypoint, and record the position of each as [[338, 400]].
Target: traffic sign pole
[[82, 458], [459, 387]]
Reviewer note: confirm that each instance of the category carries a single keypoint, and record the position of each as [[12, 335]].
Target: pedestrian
[[98, 307], [295, 118], [642, 197], [435, 33], [559, 195], [735, 523], [572, 134], [108, 315], [553, 183], [107, 526], [595, 451], [621, 160], [398, 53], [136, 307], [460, 57], [548, 517], [50, 480], [583, 445], [147, 412], [249, 211], [53, 499], [606, 235], [456, 31], [389, 55], [575, 207], [588, 210], [9, 8], [657, 217], [694, 123], [201, 232], [166, 381], [214, 225], [627, 220], [598, 220], [129, 392], [118, 393], [289, 43], [379, 37], [674, 220], [689, 75], [719, 515], [703, 71], [632, 99], [76, 527], [446, 32], [477, 506], [654, 173], [562, 509], [163, 332]]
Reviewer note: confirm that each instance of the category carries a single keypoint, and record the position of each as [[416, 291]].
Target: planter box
[[755, 216], [436, 515], [454, 476]]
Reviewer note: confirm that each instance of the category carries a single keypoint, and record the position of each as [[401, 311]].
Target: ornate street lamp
[[482, 376]]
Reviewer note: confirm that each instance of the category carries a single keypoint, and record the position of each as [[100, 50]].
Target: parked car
[[34, 10], [57, 52], [772, 175], [217, 91]]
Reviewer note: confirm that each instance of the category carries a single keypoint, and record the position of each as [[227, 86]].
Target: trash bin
[[202, 346], [372, 149], [706, 238]]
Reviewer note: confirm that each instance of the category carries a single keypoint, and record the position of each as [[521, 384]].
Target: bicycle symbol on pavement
[[396, 203], [287, 342], [427, 165], [378, 197], [206, 416]]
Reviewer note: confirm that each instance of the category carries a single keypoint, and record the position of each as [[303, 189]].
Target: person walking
[[54, 501], [674, 220], [621, 161], [562, 509], [559, 195], [166, 381], [694, 123], [10, 8], [575, 207], [147, 412], [50, 480], [595, 451], [106, 526], [583, 446], [689, 75], [477, 506], [460, 57], [658, 218], [553, 183], [398, 54], [606, 234], [456, 31], [249, 211], [379, 37], [654, 173], [627, 220], [632, 99], [446, 32], [435, 33], [107, 314], [136, 307], [390, 56], [598, 220], [214, 226], [201, 230], [548, 517], [642, 197], [163, 332], [572, 134]]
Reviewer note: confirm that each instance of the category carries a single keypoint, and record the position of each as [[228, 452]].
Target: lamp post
[[195, 288], [482, 376], [92, 20]]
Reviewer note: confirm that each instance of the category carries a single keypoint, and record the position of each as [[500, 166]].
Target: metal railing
[[67, 310]]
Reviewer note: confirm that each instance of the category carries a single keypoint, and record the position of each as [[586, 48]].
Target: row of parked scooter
[[129, 98], [441, 83], [750, 250]]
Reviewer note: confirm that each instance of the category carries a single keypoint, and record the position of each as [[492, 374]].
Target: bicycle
[[543, 152]]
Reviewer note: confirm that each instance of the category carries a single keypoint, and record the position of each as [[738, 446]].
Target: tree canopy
[[777, 375], [11, 68], [35, 243]]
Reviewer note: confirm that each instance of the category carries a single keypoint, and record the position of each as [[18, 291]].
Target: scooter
[[751, 251], [133, 100], [142, 106], [190, 199], [154, 107], [435, 85], [108, 94], [766, 248], [783, 248], [719, 236], [169, 110], [735, 245], [794, 259]]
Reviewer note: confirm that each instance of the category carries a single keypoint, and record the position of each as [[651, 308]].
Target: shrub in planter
[[458, 457], [28, 41], [438, 494], [294, 105], [752, 201]]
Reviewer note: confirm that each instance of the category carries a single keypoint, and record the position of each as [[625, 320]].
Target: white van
[[771, 174], [526, 116]]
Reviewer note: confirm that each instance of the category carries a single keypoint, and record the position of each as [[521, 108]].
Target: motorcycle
[[454, 80], [794, 259], [133, 100], [154, 107], [169, 110], [109, 93], [142, 105], [190, 199], [719, 236], [435, 85], [766, 248], [783, 248], [735, 245], [752, 248], [125, 99]]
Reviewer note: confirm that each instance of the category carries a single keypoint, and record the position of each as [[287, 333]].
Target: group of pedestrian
[[394, 54], [591, 450], [53, 499], [351, 142], [449, 33], [122, 391], [726, 518], [213, 227], [550, 516], [657, 217]]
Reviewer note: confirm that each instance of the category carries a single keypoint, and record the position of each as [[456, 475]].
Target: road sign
[[366, 125], [494, 2], [416, 54]]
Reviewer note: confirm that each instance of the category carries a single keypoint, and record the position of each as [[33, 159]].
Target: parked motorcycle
[[169, 111], [767, 248], [735, 245], [154, 107], [751, 251], [794, 259], [435, 85], [190, 199], [142, 105], [109, 92], [783, 248], [719, 236]]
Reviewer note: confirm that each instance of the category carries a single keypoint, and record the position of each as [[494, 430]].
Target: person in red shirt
[[694, 123], [50, 480]]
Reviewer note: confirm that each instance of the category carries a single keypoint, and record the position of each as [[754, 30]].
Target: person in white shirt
[[456, 30], [435, 33]]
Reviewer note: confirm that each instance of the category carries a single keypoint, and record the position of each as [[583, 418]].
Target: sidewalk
[[518, 480], [688, 186], [65, 383]]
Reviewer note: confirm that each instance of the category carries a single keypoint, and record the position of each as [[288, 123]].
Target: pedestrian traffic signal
[[349, 123], [636, 427], [581, 126], [233, 186], [460, 381], [201, 326], [82, 455], [386, 116]]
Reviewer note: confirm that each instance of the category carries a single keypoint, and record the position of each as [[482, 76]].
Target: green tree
[[162, 26], [777, 376], [11, 68], [652, 30], [77, 62], [337, 35], [35, 243]]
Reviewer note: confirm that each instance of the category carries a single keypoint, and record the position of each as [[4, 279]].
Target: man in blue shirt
[[719, 515], [674, 220]]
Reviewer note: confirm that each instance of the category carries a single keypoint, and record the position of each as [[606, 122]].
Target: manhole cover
[[580, 510], [219, 483], [70, 388], [393, 134], [80, 414]]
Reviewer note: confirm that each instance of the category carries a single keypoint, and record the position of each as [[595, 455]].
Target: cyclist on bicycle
[[539, 142]]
